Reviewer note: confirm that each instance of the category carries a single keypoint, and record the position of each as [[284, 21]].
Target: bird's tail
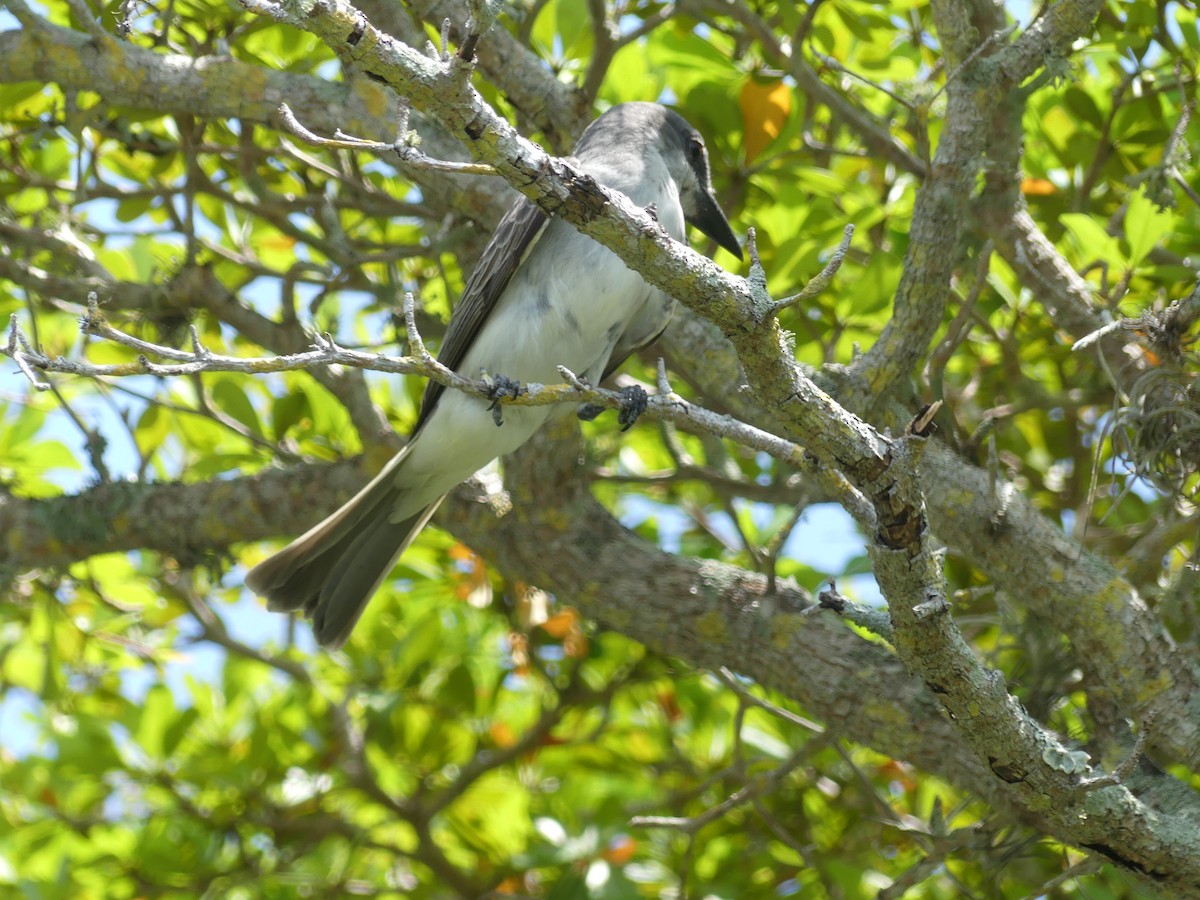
[[331, 571]]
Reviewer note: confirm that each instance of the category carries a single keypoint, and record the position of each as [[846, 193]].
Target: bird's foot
[[634, 401], [589, 411], [501, 386]]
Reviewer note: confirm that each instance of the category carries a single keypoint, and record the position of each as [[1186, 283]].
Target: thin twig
[[756, 787], [1125, 768], [730, 680], [823, 278], [21, 355], [403, 147]]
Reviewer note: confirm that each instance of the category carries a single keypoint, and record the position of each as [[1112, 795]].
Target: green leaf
[[132, 208], [1082, 106], [287, 411], [1093, 243], [177, 730], [229, 395], [1145, 226], [493, 816], [458, 688], [18, 431], [153, 427], [574, 26], [23, 100], [157, 715], [631, 77]]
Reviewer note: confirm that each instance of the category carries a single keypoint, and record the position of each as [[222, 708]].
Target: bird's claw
[[634, 401], [589, 411], [501, 386]]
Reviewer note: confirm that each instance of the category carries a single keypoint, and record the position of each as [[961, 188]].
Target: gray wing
[[515, 236], [626, 349]]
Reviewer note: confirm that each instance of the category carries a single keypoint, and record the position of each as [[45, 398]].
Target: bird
[[543, 295]]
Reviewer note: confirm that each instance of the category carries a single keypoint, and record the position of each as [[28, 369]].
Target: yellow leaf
[[620, 850], [502, 734], [765, 108], [561, 624], [461, 552], [278, 242], [1037, 187]]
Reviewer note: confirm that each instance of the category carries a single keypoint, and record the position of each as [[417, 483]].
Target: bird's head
[[686, 158], [650, 129]]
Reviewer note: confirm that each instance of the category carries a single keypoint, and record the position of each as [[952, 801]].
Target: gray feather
[[330, 572]]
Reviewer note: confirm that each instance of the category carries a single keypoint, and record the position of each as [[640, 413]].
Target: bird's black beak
[[710, 220]]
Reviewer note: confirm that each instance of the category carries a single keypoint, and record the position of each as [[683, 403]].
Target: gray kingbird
[[543, 295]]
